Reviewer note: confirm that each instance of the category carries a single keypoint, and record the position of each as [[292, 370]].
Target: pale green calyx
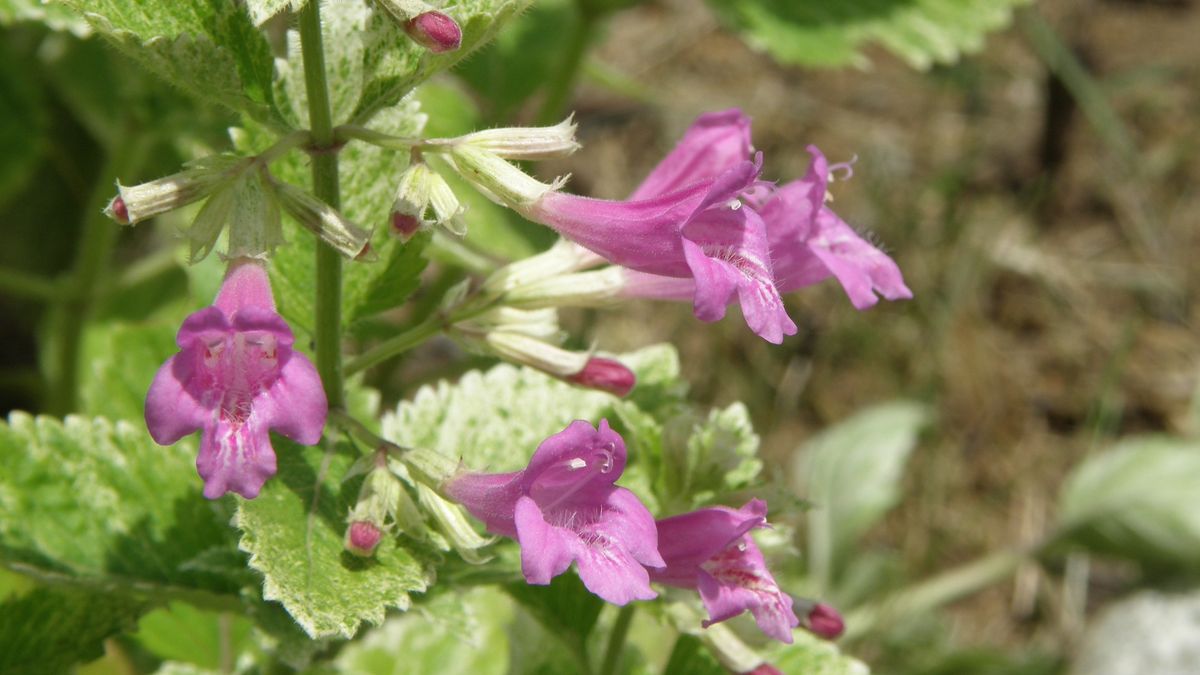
[[199, 179], [498, 179], [563, 257], [585, 289], [522, 142], [249, 208], [420, 192], [527, 350], [324, 221], [452, 522]]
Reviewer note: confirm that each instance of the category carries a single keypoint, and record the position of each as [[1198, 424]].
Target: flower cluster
[[564, 508]]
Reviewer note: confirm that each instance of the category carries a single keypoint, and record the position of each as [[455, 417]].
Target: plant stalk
[[616, 640], [327, 326]]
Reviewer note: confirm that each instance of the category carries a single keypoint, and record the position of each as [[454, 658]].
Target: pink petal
[[546, 551], [772, 610], [714, 143], [295, 403], [862, 269], [235, 458], [490, 497], [171, 411]]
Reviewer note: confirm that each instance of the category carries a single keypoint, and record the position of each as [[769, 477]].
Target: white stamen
[[576, 464]]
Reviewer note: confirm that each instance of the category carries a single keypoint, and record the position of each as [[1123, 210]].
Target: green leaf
[[99, 504], [852, 473], [565, 608], [493, 420], [51, 14], [703, 459], [1140, 501], [208, 49], [293, 532], [453, 633], [816, 33], [393, 64], [50, 630], [181, 632]]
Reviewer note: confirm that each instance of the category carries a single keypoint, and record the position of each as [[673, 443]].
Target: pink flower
[[564, 508], [710, 550], [234, 378], [809, 243], [687, 220]]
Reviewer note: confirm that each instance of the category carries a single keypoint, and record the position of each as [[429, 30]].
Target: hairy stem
[[328, 321], [396, 345], [26, 285]]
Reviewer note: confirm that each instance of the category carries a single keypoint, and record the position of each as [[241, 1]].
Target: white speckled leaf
[[210, 50], [293, 532]]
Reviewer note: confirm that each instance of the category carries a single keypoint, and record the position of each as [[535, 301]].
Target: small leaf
[[815, 33], [50, 630], [852, 472], [208, 49], [294, 531], [1140, 500]]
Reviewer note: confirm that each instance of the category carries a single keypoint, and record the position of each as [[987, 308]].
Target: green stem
[[616, 640], [940, 590], [26, 285], [562, 81], [397, 344], [92, 257], [328, 321]]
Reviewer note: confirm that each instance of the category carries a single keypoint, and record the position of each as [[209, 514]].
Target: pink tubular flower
[[687, 220], [809, 243], [564, 507], [234, 378], [710, 550]]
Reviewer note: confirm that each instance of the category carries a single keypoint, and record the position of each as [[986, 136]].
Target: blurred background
[[1039, 194]]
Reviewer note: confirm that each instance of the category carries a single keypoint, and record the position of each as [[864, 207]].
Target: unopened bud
[[117, 210], [434, 31], [524, 142], [420, 191], [428, 27], [564, 257], [819, 618], [535, 353], [198, 180], [605, 374], [362, 538], [497, 179], [324, 221], [585, 289]]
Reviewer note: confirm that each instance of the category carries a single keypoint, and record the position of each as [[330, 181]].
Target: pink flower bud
[[405, 226], [606, 375], [824, 622], [119, 211], [435, 31], [764, 669], [362, 538]]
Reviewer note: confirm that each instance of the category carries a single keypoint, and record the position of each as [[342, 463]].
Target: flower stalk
[[328, 320]]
